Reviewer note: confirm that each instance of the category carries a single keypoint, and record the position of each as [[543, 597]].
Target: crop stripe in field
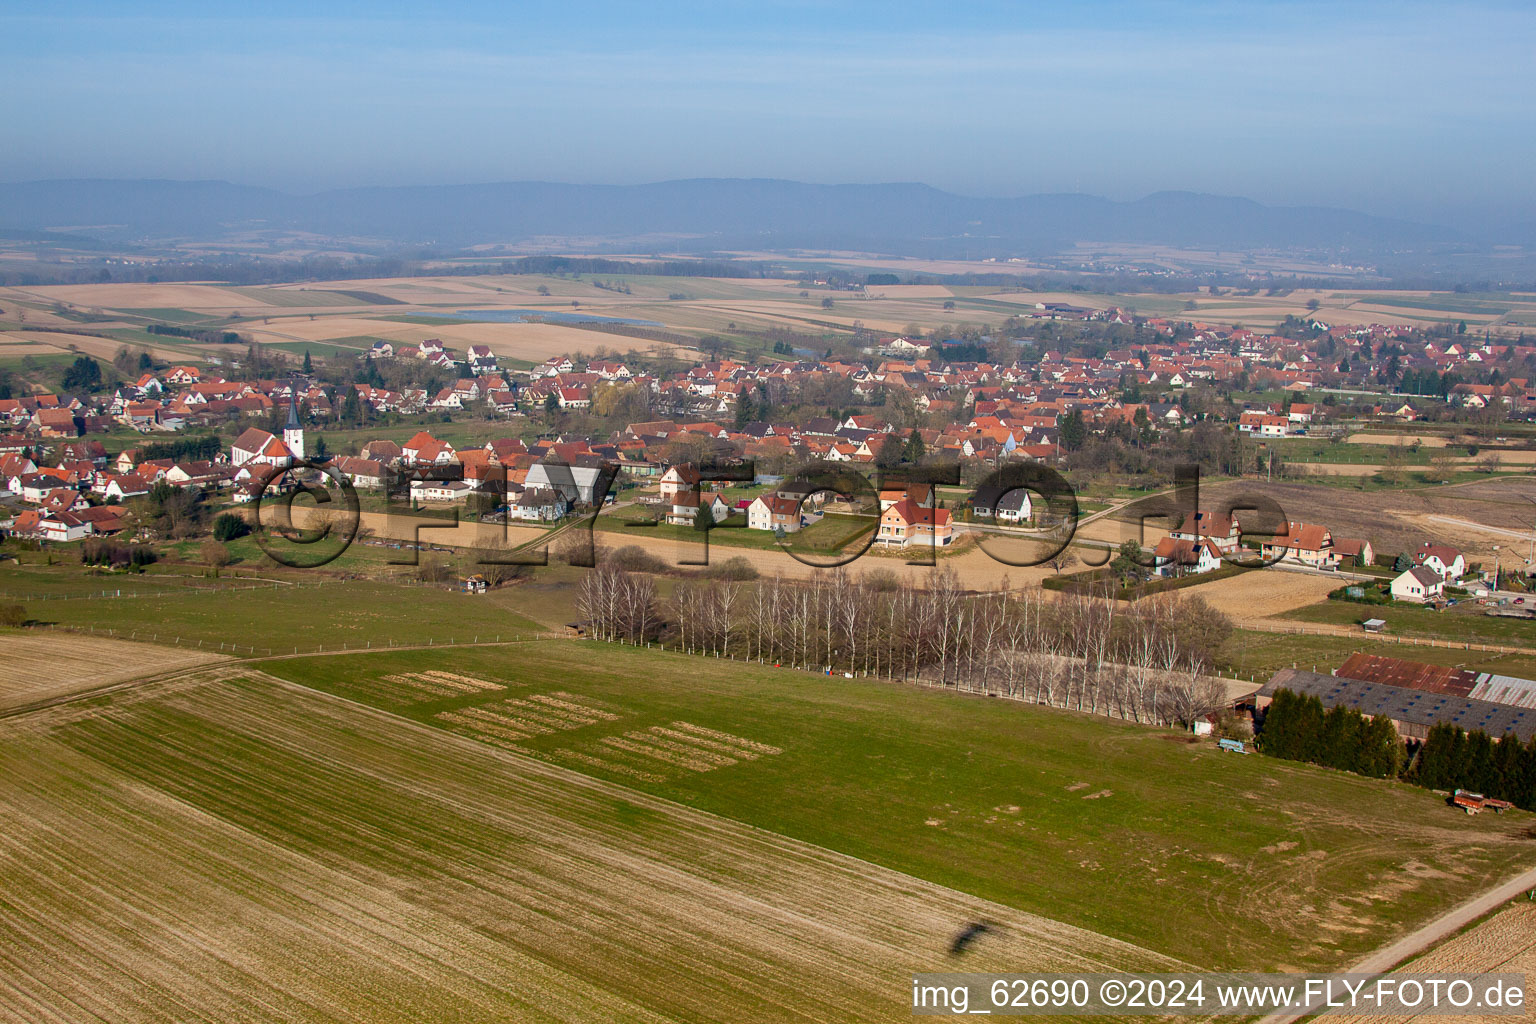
[[693, 764], [699, 742], [596, 713], [725, 737], [654, 738]]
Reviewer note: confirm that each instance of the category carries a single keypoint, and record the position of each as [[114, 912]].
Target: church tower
[[293, 432]]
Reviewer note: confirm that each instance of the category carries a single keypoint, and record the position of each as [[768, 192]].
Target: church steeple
[[293, 431]]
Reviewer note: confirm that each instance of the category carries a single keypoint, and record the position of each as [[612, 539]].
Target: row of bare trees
[[1147, 662]]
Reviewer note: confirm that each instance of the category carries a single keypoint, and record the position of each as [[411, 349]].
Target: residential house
[[679, 479], [1442, 558], [362, 472], [775, 512], [918, 494], [905, 524], [425, 450], [1175, 556], [1419, 585], [539, 504], [1305, 544], [1223, 531], [440, 490], [1263, 425], [64, 527]]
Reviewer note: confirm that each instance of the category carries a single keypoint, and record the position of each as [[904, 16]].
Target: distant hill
[[705, 213]]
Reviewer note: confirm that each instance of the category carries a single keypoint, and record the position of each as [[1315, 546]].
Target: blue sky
[[1422, 110]]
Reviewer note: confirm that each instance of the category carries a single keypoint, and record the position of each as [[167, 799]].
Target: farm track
[[222, 844], [1516, 940]]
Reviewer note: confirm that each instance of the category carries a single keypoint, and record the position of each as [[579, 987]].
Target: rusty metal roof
[[1414, 675]]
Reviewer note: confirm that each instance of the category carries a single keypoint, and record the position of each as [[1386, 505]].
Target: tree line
[[1296, 727], [1147, 663]]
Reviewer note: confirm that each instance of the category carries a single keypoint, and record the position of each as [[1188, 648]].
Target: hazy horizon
[[1414, 111]]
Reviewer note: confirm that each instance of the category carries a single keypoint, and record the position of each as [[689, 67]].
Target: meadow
[[302, 610]]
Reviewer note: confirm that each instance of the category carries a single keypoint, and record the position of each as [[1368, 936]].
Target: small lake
[[548, 316]]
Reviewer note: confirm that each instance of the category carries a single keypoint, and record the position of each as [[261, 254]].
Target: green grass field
[[1454, 625], [1220, 860], [171, 315], [351, 612], [1256, 654], [317, 349]]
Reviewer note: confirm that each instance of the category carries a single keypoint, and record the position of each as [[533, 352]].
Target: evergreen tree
[[1435, 764], [1525, 787], [1072, 430], [1341, 738], [914, 450], [744, 411], [1508, 761], [1381, 749], [1309, 729], [1458, 764], [706, 516], [1281, 733], [309, 367], [1481, 775], [84, 374]]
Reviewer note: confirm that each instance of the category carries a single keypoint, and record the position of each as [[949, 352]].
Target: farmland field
[[1211, 859], [42, 666], [229, 847]]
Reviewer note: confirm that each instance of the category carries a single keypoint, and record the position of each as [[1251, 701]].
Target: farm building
[[1411, 711], [1461, 682]]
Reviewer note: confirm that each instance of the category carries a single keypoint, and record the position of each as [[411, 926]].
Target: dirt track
[[1504, 943]]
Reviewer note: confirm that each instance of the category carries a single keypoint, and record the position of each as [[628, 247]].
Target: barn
[[1411, 711]]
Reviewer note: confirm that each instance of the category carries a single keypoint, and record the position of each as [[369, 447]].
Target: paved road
[[1436, 931]]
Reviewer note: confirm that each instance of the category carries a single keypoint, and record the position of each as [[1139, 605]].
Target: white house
[[1442, 558], [577, 480], [540, 504], [440, 490], [1013, 507], [64, 526], [1176, 557], [679, 479], [1418, 585], [774, 512]]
